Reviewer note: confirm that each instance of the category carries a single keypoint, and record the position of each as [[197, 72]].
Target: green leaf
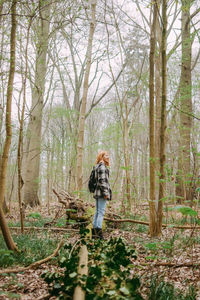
[[62, 259], [126, 168], [151, 246], [167, 245], [57, 285], [72, 275], [34, 215], [111, 293], [124, 291], [133, 284], [151, 257], [71, 209], [186, 211], [10, 295]]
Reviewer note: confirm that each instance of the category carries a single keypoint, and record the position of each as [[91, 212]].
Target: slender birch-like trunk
[[3, 167], [20, 140], [81, 126], [163, 120], [158, 63], [125, 134], [152, 223]]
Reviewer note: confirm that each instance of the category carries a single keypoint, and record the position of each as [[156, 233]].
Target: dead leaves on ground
[[29, 284]]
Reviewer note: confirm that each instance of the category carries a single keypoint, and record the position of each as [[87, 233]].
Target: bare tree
[[162, 120], [152, 201], [81, 126], [33, 143], [183, 189], [21, 129], [3, 168]]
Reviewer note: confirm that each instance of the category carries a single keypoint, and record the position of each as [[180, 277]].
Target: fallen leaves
[[175, 247]]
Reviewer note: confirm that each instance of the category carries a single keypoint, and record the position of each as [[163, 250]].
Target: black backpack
[[92, 183]]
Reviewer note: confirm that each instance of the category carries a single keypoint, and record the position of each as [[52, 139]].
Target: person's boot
[[94, 233], [99, 233]]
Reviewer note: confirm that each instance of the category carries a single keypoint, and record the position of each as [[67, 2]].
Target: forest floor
[[176, 248]]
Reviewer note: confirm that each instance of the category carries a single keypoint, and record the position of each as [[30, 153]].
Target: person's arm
[[103, 181]]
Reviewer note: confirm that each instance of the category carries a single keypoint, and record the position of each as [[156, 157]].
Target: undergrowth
[[32, 220], [31, 247], [161, 290], [111, 274]]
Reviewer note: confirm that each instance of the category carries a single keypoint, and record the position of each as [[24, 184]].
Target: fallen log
[[147, 223], [46, 228], [126, 220], [76, 209], [79, 293], [80, 208], [35, 264], [170, 264], [175, 265], [62, 195]]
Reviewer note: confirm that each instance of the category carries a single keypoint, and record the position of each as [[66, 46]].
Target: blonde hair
[[100, 157]]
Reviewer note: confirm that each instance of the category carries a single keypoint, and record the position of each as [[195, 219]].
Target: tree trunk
[[81, 127], [5, 206], [1, 100], [48, 175], [135, 176], [152, 223], [126, 153], [163, 120], [20, 139], [183, 190], [32, 161], [4, 161], [158, 63]]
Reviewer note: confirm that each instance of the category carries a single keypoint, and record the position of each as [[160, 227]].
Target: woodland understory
[[176, 247], [78, 77]]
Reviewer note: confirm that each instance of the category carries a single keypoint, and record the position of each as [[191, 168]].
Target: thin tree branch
[[184, 112], [35, 264], [106, 92]]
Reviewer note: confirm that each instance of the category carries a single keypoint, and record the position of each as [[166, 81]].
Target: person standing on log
[[102, 192]]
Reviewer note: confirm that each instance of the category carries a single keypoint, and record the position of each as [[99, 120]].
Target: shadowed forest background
[[77, 77]]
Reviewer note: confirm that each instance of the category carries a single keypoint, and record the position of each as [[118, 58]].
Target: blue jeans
[[99, 214]]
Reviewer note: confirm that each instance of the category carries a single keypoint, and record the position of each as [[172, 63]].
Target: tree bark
[[183, 190], [163, 120], [152, 217], [32, 160], [79, 293], [1, 101], [4, 161], [158, 63], [125, 135], [20, 139], [81, 126]]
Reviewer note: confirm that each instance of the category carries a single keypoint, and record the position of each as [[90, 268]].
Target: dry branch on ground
[[77, 208], [35, 264], [147, 224]]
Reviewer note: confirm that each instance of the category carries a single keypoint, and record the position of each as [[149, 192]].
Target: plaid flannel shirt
[[103, 187]]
